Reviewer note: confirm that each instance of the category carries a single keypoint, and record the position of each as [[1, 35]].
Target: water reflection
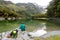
[[39, 32]]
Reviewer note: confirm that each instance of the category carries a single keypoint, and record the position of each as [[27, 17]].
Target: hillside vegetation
[[9, 9], [53, 10]]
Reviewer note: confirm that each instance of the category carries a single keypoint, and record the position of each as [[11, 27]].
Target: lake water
[[36, 27], [38, 24], [45, 29], [39, 32]]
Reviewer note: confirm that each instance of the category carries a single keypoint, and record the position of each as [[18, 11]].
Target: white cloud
[[39, 2]]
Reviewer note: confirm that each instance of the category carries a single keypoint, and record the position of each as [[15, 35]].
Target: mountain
[[5, 2], [9, 9], [1, 0], [30, 7]]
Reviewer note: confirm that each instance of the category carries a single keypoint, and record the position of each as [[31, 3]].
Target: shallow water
[[39, 32], [46, 29], [52, 33]]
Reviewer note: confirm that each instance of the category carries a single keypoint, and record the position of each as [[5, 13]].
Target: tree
[[54, 9], [6, 12]]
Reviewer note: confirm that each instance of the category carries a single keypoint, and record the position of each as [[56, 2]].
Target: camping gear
[[14, 33], [8, 36]]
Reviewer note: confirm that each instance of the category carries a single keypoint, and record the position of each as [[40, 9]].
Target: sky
[[43, 3]]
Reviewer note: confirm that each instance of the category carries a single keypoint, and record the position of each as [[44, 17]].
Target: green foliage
[[39, 15], [54, 9], [26, 10], [6, 12]]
